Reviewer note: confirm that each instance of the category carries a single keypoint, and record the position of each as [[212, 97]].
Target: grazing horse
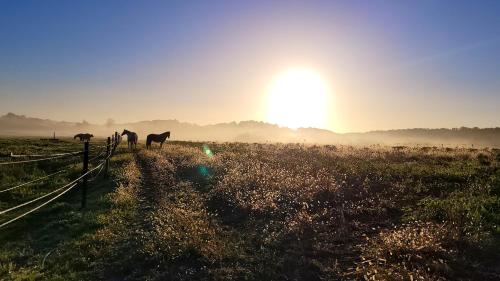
[[157, 138], [131, 138], [84, 137]]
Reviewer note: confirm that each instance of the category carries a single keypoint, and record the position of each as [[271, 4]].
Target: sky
[[387, 64]]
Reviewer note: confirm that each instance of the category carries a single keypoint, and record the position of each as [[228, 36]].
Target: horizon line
[[256, 121]]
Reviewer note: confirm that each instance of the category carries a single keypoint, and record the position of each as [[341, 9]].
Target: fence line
[[12, 155], [104, 146], [50, 193], [39, 160], [98, 172], [38, 207], [109, 150], [32, 181], [42, 155], [103, 150], [104, 163]]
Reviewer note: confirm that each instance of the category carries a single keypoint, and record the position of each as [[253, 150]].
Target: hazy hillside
[[253, 131], [245, 131]]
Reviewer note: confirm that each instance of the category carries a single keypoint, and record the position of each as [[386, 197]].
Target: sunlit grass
[[280, 212]]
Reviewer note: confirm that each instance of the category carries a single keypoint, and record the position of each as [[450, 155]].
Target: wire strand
[[38, 207], [98, 155], [50, 193], [32, 181], [68, 186], [98, 173], [42, 155], [37, 160]]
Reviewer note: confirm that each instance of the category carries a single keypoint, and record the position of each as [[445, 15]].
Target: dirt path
[[177, 236], [148, 201], [192, 235], [181, 217]]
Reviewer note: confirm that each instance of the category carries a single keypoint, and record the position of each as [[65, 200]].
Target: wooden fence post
[[85, 170], [108, 151]]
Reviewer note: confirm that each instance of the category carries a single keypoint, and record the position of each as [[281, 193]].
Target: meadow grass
[[235, 211], [47, 245]]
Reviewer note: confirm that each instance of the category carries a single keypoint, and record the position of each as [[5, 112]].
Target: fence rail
[[106, 150], [37, 207], [32, 181], [12, 155], [38, 160]]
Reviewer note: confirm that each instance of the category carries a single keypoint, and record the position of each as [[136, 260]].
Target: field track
[[196, 211], [178, 210], [148, 192]]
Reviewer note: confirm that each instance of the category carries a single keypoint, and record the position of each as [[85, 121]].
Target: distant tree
[[110, 122], [84, 123]]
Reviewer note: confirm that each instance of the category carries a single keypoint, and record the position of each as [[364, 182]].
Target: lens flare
[[204, 171], [207, 150]]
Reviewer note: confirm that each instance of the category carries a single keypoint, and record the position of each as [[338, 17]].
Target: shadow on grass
[[31, 244]]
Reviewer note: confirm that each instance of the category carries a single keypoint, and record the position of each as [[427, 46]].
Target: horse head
[[124, 132]]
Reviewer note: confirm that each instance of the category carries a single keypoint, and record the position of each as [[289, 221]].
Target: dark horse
[[131, 138], [157, 138], [84, 137]]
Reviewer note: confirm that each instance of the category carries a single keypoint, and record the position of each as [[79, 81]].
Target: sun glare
[[298, 97]]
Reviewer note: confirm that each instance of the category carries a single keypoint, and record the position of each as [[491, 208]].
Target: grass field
[[234, 211]]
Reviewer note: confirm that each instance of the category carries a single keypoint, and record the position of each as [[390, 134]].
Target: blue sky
[[391, 64]]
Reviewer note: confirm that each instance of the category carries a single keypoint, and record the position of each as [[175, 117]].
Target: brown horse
[[84, 137], [157, 138], [131, 138]]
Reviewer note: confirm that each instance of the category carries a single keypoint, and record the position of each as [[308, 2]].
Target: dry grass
[[232, 211]]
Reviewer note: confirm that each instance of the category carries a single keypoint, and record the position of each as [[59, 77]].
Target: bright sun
[[297, 98]]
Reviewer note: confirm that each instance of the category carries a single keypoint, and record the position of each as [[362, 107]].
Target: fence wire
[[38, 207], [32, 181], [39, 160], [50, 193], [64, 189]]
